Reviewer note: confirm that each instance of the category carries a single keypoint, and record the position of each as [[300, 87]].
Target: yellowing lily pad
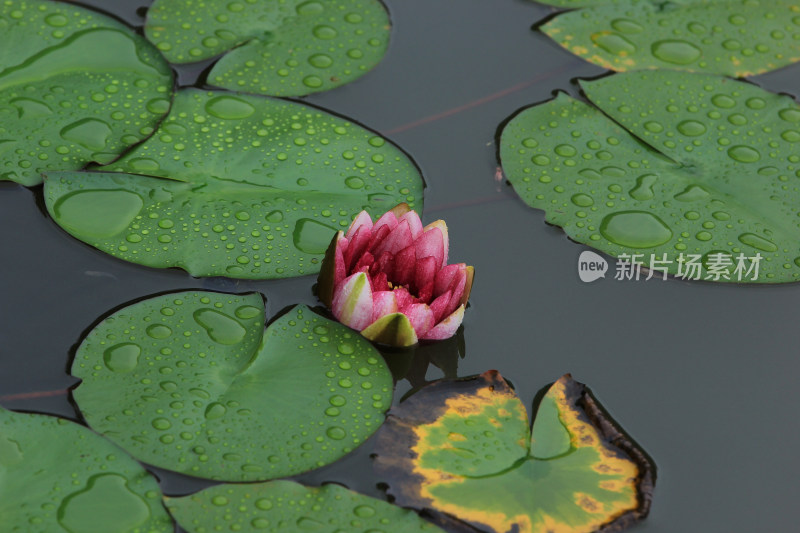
[[75, 87], [464, 448], [287, 507], [192, 382], [58, 476], [693, 174], [276, 47], [235, 185], [734, 37]]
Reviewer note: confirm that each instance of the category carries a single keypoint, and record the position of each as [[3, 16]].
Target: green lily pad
[[75, 87], [464, 448], [191, 382], [713, 183], [56, 476], [235, 185], [276, 47], [734, 37], [286, 506]]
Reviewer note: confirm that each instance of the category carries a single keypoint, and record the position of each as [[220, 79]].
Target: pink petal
[[385, 264], [444, 278], [447, 327], [439, 306], [431, 244], [388, 219], [339, 270], [378, 236], [404, 299], [383, 303], [421, 318], [425, 274], [352, 302], [413, 222], [445, 237], [457, 289], [380, 282], [405, 264], [399, 238], [364, 263], [362, 220], [425, 293], [358, 244]]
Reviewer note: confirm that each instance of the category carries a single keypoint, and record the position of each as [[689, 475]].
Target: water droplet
[[229, 108], [310, 8], [582, 200], [744, 154], [159, 331], [644, 187], [312, 237], [692, 193], [653, 127], [122, 357], [105, 500], [89, 133], [97, 213], [320, 61], [220, 327], [246, 312], [215, 410], [676, 52], [264, 504], [337, 400], [626, 26], [364, 511], [354, 182], [56, 20], [219, 500], [325, 32], [635, 229], [691, 128], [614, 43], [565, 150], [790, 115], [308, 523], [791, 136], [161, 424], [274, 216], [10, 452], [336, 433], [29, 108], [724, 101], [312, 82], [760, 243]]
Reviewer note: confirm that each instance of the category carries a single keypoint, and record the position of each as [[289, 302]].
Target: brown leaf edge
[[393, 458]]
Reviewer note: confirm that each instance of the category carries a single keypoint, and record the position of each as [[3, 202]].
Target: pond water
[[701, 375]]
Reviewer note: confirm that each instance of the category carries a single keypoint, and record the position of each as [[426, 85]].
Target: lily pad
[[57, 476], [235, 185], [286, 506], [734, 37], [715, 178], [75, 87], [191, 382], [276, 47], [464, 448]]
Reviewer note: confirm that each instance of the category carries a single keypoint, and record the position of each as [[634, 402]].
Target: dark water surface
[[701, 375]]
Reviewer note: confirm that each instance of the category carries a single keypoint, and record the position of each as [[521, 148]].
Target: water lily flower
[[390, 279]]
